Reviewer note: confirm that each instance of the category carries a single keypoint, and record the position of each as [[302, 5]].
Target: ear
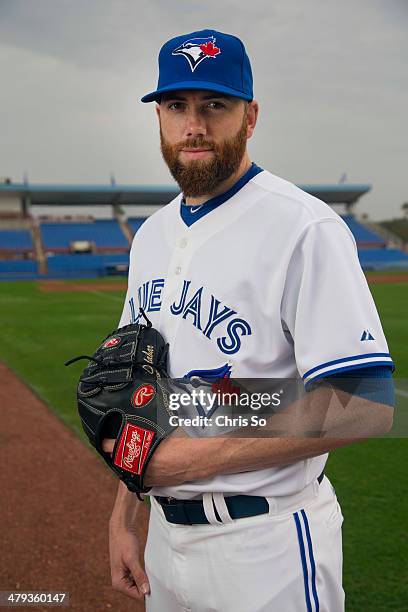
[[158, 111], [252, 116]]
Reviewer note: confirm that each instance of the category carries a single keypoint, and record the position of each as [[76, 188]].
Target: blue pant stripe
[[303, 557], [312, 561]]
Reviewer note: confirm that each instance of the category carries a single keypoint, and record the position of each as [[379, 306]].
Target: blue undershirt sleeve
[[374, 383]]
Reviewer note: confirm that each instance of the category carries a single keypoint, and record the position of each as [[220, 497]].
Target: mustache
[[197, 143]]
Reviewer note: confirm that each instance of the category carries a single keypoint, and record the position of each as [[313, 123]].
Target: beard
[[199, 177]]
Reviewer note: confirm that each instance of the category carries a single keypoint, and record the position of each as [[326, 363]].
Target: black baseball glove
[[123, 393]]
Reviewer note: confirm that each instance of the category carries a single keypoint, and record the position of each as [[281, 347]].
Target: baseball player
[[246, 276]]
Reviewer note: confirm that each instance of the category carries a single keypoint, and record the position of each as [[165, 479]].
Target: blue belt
[[191, 511]]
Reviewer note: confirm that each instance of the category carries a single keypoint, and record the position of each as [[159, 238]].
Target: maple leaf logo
[[210, 49], [225, 387], [195, 50]]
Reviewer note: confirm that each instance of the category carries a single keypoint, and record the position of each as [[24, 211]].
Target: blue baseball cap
[[206, 59]]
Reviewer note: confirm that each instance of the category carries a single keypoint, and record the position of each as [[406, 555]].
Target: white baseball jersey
[[261, 282]]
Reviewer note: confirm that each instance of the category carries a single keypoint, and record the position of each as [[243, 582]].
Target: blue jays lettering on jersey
[[251, 282], [204, 313]]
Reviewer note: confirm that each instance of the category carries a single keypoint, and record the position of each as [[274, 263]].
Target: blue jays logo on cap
[[224, 65], [195, 50]]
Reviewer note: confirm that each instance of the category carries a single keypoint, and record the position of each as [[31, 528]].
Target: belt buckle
[[163, 500]]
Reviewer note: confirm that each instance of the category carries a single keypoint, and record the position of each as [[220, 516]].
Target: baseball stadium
[[64, 254]]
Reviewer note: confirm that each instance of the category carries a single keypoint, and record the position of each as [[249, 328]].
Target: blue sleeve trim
[[373, 383], [349, 368], [365, 360], [343, 359]]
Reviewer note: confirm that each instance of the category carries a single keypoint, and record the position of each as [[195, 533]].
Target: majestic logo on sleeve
[[195, 50]]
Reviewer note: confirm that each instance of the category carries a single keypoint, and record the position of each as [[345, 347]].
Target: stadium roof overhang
[[337, 194], [148, 194]]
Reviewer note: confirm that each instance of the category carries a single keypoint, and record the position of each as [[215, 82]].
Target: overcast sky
[[330, 77]]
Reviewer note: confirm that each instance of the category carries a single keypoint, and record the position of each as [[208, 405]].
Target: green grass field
[[42, 330]]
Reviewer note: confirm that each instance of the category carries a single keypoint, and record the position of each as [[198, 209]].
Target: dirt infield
[[52, 286], [61, 285], [55, 505], [378, 279]]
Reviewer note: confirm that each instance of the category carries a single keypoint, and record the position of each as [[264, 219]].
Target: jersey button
[[183, 243], [177, 270]]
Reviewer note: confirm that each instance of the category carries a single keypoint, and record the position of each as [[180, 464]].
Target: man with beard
[[243, 274]]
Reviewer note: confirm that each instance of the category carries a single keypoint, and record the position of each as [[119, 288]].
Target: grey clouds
[[330, 77]]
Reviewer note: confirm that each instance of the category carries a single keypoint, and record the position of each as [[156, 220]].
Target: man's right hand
[[128, 576]]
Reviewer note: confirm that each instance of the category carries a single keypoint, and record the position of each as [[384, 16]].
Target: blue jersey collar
[[191, 214]]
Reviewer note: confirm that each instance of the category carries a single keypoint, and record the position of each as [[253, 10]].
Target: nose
[[195, 124]]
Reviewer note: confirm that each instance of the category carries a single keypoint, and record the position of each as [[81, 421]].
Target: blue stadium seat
[[16, 269], [104, 233], [117, 264], [16, 240], [86, 265], [377, 259], [75, 266], [361, 233], [135, 223], [117, 258]]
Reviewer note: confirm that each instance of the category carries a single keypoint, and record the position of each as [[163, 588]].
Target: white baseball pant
[[289, 560]]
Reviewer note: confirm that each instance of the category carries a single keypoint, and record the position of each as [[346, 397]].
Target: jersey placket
[[179, 263]]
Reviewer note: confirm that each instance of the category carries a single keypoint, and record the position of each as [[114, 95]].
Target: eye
[[214, 105], [176, 106]]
